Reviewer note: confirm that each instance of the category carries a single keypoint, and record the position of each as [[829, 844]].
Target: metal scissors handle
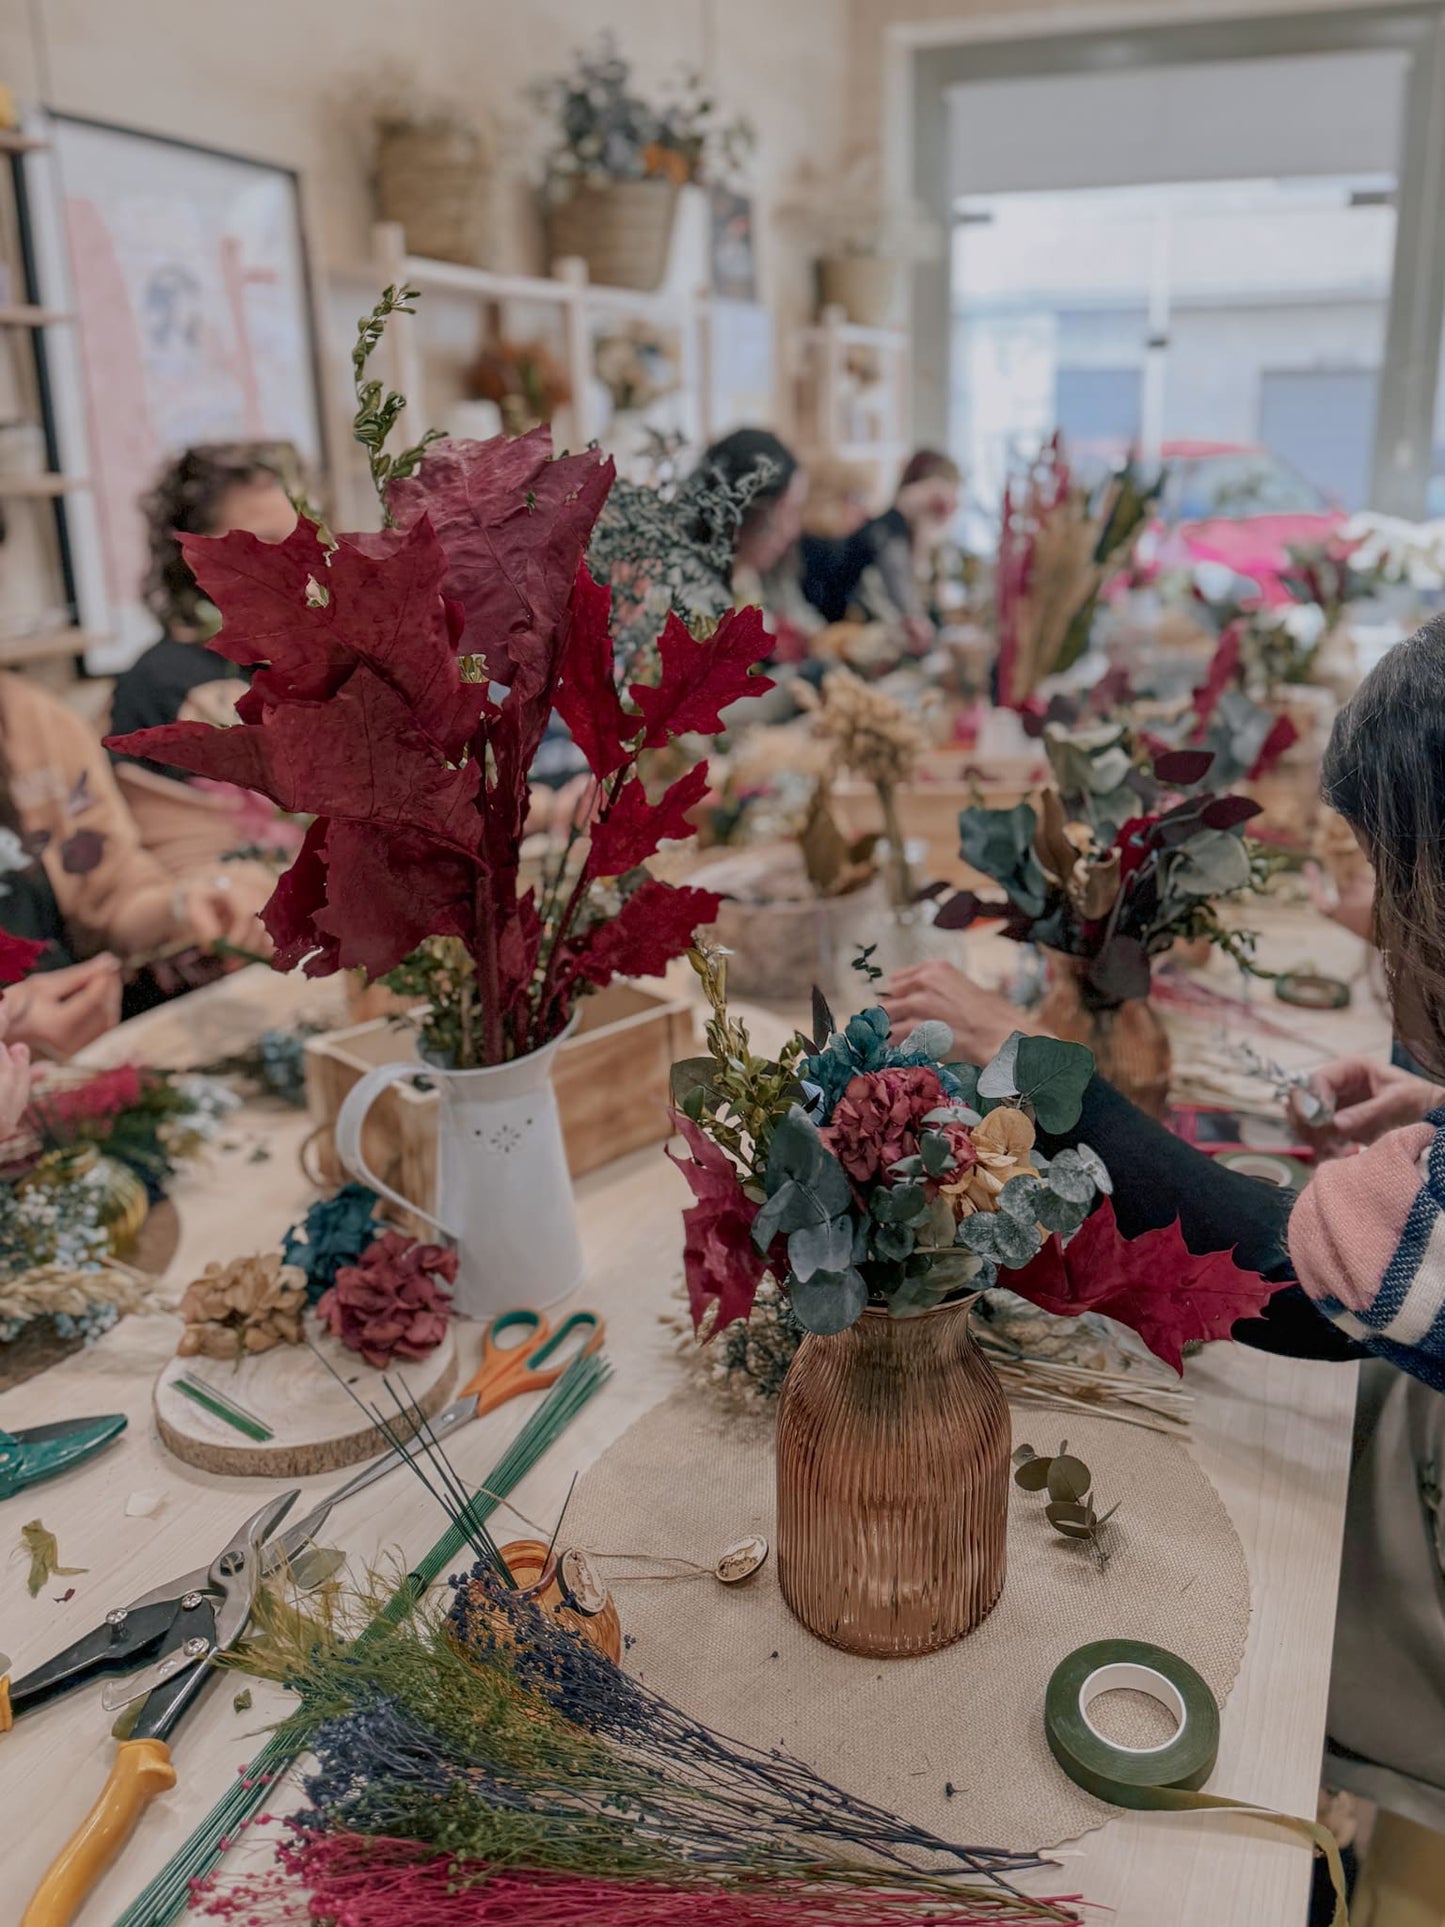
[[535, 1360]]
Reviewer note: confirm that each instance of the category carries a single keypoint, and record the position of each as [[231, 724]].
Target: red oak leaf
[[1152, 1283], [18, 956], [358, 754], [656, 924], [722, 1265], [515, 525], [586, 697], [700, 679], [385, 892], [631, 829]]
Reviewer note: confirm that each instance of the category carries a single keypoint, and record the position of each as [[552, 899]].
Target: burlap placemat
[[954, 1740]]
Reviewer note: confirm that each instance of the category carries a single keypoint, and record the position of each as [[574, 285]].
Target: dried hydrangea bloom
[[249, 1305]]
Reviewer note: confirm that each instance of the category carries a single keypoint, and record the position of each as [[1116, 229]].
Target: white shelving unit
[[25, 153], [851, 395], [715, 338]]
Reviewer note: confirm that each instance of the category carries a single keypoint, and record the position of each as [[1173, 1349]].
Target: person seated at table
[[74, 877], [1360, 1253], [188, 823], [767, 564], [876, 573]]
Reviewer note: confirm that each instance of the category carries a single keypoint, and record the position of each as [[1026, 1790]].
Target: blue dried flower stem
[[498, 1737], [168, 1895]]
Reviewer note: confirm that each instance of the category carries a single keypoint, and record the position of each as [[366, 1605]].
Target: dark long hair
[[1384, 771]]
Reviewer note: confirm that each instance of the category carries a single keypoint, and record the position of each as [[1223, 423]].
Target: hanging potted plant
[[1113, 865], [863, 242], [433, 169], [618, 163], [402, 684], [882, 1186]]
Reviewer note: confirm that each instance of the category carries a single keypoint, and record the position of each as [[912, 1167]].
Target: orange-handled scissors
[[533, 1356]]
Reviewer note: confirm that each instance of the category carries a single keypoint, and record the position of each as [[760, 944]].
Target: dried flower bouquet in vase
[[1103, 892], [1058, 548], [882, 1186], [402, 683]]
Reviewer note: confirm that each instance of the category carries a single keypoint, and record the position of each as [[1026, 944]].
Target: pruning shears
[[176, 1632], [40, 1451]]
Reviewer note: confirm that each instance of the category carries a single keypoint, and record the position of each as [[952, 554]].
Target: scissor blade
[[237, 1572]]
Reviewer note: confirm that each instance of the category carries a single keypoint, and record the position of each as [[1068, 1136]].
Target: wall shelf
[[27, 314], [48, 646], [40, 487]]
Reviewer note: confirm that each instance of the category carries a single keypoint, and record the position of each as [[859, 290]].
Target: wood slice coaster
[[317, 1427]]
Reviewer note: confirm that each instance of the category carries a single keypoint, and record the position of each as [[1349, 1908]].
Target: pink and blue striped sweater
[[1367, 1243]]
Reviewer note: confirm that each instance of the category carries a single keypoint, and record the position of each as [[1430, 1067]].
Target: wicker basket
[[621, 229], [435, 181]]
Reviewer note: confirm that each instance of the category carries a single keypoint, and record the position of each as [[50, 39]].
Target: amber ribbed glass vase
[[893, 1463]]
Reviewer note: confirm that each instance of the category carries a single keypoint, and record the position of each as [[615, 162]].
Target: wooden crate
[[611, 1081]]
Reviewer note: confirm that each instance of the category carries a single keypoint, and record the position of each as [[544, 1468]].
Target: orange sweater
[[62, 790]]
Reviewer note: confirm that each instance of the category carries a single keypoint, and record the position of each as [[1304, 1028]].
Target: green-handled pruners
[[40, 1451]]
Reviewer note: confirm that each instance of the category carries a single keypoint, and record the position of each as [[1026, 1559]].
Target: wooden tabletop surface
[[1272, 1434]]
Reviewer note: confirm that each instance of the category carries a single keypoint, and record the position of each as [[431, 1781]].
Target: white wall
[[273, 78]]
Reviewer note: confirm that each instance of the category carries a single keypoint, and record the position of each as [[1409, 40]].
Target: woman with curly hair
[[189, 826]]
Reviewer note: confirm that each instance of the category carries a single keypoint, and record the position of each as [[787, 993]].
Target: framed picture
[[189, 282], [734, 259]]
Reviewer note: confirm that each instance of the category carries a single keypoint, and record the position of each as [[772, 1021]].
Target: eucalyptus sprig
[[377, 406], [1070, 1509]]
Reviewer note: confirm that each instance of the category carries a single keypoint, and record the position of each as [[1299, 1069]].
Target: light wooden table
[[1272, 1434]]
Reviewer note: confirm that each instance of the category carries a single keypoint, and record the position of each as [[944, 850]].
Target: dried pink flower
[[877, 1119], [389, 1304]]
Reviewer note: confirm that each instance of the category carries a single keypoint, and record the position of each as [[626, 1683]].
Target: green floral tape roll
[[1128, 1776], [1164, 1778]]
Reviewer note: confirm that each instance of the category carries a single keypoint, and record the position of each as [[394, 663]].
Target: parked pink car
[[1236, 504]]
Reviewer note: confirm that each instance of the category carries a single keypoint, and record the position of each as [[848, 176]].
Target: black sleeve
[[1158, 1177]]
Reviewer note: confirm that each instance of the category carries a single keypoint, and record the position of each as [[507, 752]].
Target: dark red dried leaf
[[632, 827], [515, 525], [700, 679], [1282, 736], [586, 696], [721, 1264], [1181, 768], [1152, 1283], [1228, 812], [655, 925]]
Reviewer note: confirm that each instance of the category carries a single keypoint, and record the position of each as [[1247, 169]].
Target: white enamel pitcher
[[504, 1193]]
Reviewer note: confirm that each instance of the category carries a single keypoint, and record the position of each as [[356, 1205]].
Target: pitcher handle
[[349, 1120]]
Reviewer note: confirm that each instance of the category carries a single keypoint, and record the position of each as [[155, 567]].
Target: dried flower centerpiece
[[882, 1186], [402, 684], [1058, 547], [871, 735], [1104, 898]]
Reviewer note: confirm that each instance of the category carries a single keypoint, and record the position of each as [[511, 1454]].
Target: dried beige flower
[[248, 1305]]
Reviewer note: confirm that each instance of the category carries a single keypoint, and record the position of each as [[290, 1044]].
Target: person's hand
[[223, 908], [14, 1076], [981, 1020], [58, 1012], [1363, 1099]]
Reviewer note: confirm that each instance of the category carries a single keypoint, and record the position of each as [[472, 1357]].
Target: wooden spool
[[317, 1427]]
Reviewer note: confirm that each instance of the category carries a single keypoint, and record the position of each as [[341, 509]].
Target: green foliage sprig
[[1070, 1509], [377, 406]]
